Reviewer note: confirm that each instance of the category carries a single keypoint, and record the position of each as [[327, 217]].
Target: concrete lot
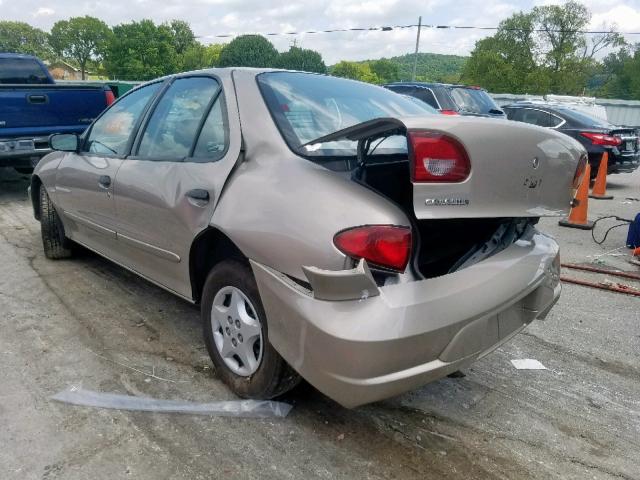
[[88, 322]]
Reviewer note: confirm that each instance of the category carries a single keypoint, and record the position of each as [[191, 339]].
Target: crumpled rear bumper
[[363, 350]]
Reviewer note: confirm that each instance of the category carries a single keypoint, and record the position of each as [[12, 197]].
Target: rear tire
[[55, 244], [266, 375]]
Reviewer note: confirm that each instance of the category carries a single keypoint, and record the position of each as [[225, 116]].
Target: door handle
[[37, 99], [198, 194], [104, 181]]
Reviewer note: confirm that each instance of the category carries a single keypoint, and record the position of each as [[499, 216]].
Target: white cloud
[[209, 18], [44, 12]]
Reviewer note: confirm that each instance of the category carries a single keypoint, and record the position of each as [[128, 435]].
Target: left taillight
[[602, 139], [386, 246], [109, 96], [436, 157]]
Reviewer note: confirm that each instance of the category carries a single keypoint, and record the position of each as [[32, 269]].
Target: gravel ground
[[88, 322]]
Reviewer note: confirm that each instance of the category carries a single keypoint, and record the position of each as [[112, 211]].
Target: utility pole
[[415, 57]]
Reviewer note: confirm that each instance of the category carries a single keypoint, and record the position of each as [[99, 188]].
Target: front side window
[[174, 124], [307, 106], [111, 132]]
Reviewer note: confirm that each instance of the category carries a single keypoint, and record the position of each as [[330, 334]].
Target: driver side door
[[85, 180]]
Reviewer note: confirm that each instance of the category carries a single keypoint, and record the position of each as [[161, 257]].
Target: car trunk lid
[[516, 170]]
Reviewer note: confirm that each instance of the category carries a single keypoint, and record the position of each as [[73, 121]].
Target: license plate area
[[17, 146]]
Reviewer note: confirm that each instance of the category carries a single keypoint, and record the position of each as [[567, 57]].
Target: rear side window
[[427, 96], [213, 137], [111, 132], [535, 117], [22, 71], [474, 100], [173, 126]]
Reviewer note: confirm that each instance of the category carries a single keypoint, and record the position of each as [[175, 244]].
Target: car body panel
[[355, 337], [352, 352], [622, 159]]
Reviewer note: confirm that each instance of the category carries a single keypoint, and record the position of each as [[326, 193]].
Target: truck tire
[[231, 308], [55, 244]]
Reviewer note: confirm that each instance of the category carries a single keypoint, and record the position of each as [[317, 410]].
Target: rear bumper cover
[[360, 351]]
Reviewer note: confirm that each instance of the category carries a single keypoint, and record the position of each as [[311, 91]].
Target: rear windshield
[[474, 100], [306, 107], [21, 71], [584, 118]]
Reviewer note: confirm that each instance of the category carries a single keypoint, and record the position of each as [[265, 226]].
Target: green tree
[[301, 59], [386, 70], [141, 51], [81, 39], [354, 71], [19, 37], [183, 36], [249, 51], [623, 74], [200, 56], [541, 51]]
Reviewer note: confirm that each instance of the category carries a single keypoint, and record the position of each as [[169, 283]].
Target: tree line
[[144, 50], [541, 51], [546, 50]]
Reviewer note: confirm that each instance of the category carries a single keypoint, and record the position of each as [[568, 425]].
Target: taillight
[[386, 246], [436, 157], [109, 96], [602, 139], [449, 112], [579, 175]]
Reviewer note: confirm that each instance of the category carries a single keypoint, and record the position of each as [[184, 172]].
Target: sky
[[218, 17]]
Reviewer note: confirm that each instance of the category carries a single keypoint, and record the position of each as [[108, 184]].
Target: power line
[[433, 27]]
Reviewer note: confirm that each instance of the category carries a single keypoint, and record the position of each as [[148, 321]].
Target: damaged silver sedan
[[329, 229]]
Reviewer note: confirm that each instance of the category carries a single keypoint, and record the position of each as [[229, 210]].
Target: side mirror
[[64, 142]]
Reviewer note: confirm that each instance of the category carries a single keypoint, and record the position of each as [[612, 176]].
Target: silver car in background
[[329, 229]]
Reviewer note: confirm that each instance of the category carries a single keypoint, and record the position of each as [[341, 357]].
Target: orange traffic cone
[[636, 252], [600, 185], [578, 215]]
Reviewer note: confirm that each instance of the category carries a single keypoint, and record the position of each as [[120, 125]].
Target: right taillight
[[580, 169], [436, 157], [602, 139]]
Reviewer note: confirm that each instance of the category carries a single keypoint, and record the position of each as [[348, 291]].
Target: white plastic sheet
[[233, 408], [528, 364]]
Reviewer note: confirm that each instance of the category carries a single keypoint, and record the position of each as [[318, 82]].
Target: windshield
[[474, 100], [307, 106], [21, 71]]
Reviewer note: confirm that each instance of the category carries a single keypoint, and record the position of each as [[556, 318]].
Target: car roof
[[431, 84], [16, 55]]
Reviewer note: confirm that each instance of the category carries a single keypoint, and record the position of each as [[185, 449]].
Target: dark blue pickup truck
[[32, 107]]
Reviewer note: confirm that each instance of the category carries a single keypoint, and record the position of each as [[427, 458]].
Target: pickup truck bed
[[33, 110]]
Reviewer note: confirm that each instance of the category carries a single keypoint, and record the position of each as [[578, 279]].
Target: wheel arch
[[210, 247]]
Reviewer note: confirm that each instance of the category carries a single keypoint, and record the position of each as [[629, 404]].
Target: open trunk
[[517, 174]]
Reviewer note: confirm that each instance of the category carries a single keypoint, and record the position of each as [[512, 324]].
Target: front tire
[[236, 334], [55, 244]]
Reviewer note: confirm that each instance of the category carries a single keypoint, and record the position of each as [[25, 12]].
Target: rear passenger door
[[167, 189]]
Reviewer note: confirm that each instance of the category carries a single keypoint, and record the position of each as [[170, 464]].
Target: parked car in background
[[451, 99], [313, 247], [33, 106], [595, 134]]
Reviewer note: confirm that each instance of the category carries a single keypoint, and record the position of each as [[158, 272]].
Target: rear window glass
[[21, 71], [307, 106], [473, 100], [584, 118]]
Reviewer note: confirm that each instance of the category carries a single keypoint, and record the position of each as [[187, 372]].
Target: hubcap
[[237, 332]]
